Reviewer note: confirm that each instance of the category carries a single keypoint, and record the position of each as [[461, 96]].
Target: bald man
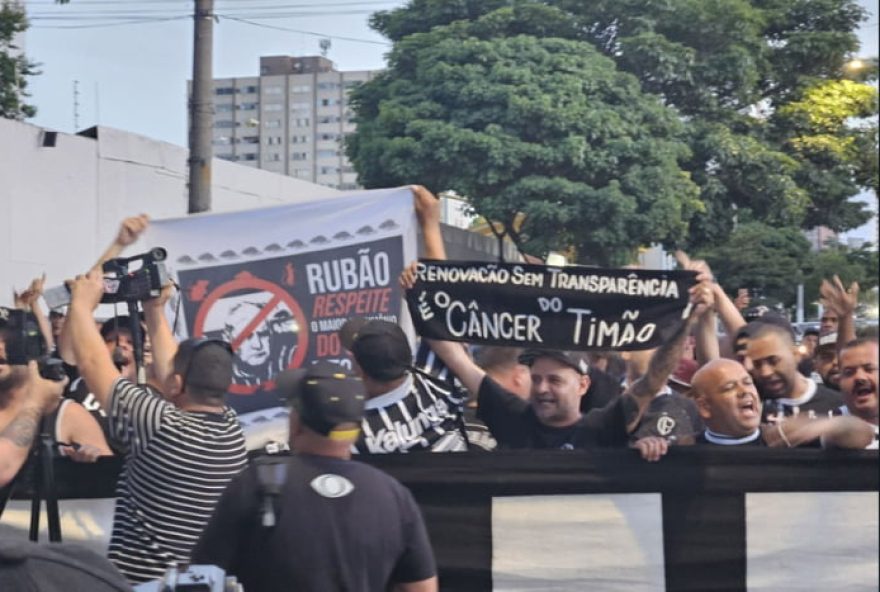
[[728, 402]]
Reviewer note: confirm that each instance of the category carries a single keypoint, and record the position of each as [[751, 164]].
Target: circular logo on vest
[[332, 486], [665, 425]]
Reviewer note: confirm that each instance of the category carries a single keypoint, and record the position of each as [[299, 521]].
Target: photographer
[[25, 397], [183, 447]]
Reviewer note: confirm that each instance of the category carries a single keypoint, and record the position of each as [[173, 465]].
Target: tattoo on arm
[[23, 428]]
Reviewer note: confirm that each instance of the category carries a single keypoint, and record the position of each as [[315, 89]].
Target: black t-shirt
[[671, 416], [514, 424], [340, 525], [819, 401], [603, 389]]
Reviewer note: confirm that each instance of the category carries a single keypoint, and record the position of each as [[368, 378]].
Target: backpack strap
[[271, 475]]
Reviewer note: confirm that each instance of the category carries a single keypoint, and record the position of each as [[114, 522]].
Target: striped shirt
[[178, 464], [423, 413]]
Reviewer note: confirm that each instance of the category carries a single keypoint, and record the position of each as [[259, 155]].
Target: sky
[[133, 76]]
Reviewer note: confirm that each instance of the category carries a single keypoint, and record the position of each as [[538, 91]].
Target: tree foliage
[[525, 124], [736, 74], [14, 67]]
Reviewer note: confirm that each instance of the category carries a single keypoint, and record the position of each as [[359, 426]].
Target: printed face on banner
[[283, 312]]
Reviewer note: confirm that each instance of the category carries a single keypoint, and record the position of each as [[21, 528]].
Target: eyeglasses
[[198, 344]]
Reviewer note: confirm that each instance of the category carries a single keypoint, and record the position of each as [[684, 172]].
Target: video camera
[[24, 343], [193, 578], [120, 284]]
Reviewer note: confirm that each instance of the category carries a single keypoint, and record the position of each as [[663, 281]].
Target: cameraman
[[183, 447], [25, 397]]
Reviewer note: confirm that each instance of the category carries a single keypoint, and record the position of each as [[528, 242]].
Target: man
[[407, 408], [828, 322], [784, 390], [670, 414], [183, 449], [825, 362], [731, 409], [320, 521], [25, 398], [504, 366], [552, 417], [859, 378]]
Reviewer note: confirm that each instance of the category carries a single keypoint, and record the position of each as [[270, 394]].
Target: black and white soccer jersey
[[424, 413]]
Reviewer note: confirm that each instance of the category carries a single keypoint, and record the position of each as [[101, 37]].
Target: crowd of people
[[187, 491]]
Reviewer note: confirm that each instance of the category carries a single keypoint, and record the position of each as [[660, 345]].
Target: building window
[[328, 153], [273, 107], [251, 156], [299, 156], [273, 90], [249, 89], [247, 106], [251, 139], [225, 123], [302, 122], [224, 107], [301, 88], [273, 123], [225, 90]]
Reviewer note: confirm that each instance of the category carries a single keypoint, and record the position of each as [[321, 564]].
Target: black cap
[[380, 348], [572, 359], [325, 395]]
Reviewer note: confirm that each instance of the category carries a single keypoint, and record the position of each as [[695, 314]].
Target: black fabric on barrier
[[703, 489], [704, 542]]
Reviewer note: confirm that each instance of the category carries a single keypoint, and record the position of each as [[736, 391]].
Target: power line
[[277, 28]]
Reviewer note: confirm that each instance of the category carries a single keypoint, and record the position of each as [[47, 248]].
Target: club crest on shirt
[[332, 486]]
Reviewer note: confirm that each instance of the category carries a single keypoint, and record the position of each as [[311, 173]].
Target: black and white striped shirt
[[178, 464], [423, 413]]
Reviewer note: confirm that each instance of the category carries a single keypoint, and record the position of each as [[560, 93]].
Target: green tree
[[851, 265], [725, 67], [539, 130], [14, 67], [768, 260]]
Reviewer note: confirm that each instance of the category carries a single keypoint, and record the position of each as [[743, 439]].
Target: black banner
[[570, 308], [282, 312]]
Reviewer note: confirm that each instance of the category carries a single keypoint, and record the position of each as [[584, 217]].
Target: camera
[[24, 343], [192, 578], [120, 284]]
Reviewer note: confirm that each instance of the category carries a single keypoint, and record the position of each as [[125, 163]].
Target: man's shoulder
[[824, 393]]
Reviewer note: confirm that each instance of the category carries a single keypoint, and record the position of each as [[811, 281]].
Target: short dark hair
[[772, 328], [380, 348], [492, 357], [206, 368], [858, 342]]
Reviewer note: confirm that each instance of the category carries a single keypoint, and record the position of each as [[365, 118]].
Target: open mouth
[[863, 393], [748, 408]]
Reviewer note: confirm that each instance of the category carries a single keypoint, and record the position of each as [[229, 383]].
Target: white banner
[[278, 282]]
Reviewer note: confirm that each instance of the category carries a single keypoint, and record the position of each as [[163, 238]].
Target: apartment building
[[291, 119]]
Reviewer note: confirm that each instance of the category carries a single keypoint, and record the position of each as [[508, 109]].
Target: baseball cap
[[572, 359], [325, 395], [380, 347]]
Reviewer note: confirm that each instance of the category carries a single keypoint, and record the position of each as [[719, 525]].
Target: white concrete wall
[[61, 206]]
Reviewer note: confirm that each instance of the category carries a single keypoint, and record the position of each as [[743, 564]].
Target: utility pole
[[201, 108]]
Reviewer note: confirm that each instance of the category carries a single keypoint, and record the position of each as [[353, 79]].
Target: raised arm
[[161, 337], [427, 207], [129, 231], [18, 435], [92, 358], [705, 333], [667, 356], [29, 299], [842, 301]]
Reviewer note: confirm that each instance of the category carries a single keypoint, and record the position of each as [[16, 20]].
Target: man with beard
[[24, 398], [784, 390], [731, 409], [825, 362], [858, 382]]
